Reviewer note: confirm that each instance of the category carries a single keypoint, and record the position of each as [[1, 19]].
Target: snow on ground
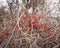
[[51, 4]]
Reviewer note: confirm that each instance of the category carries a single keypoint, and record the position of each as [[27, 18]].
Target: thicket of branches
[[21, 29]]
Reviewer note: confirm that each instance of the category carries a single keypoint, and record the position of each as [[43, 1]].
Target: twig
[[13, 31]]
